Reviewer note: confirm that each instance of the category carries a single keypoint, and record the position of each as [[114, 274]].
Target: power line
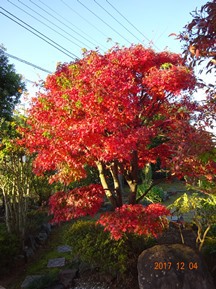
[[56, 24], [116, 20], [71, 24], [71, 55], [103, 21], [131, 24], [45, 23], [96, 28], [27, 62], [28, 80]]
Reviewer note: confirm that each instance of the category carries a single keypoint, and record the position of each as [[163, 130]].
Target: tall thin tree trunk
[[132, 178], [117, 187], [7, 211], [105, 185]]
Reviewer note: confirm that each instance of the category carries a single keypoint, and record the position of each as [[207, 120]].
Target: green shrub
[[94, 246], [9, 248], [155, 195]]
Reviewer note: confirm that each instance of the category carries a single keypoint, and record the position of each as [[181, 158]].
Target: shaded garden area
[[101, 260]]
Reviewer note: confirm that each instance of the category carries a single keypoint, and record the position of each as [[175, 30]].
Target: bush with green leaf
[[203, 210], [147, 191], [91, 244], [154, 195]]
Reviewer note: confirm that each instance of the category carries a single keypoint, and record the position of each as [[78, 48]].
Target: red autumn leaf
[[135, 219], [117, 112]]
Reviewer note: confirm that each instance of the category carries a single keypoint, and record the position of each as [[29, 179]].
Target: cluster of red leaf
[[76, 203], [102, 108], [188, 143], [118, 112], [148, 221]]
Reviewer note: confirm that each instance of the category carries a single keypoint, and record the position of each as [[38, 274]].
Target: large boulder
[[173, 266]]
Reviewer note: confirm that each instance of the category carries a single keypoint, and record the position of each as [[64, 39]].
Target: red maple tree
[[117, 112]]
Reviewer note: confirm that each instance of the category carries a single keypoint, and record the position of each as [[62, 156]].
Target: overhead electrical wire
[[28, 80], [29, 27], [117, 20], [131, 24], [66, 20], [102, 21], [27, 62], [95, 27], [55, 44], [47, 24], [56, 24]]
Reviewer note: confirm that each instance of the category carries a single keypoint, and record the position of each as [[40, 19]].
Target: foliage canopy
[[11, 87], [118, 112]]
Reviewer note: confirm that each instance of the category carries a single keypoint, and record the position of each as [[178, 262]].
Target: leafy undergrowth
[[49, 251], [38, 264]]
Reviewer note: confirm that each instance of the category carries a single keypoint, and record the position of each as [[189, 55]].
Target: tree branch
[[147, 190]]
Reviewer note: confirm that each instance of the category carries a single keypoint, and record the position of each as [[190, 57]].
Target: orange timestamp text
[[177, 265]]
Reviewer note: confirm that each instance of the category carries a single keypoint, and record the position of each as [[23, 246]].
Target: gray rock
[[172, 267], [29, 279], [173, 218], [64, 249], [1, 287], [42, 237], [57, 262], [67, 276]]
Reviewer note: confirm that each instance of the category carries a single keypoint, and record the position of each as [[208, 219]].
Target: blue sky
[[155, 19]]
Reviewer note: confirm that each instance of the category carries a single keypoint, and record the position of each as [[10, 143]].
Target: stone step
[[28, 280], [57, 262], [64, 249]]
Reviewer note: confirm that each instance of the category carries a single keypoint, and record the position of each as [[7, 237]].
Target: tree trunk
[[7, 212], [105, 185], [117, 187], [132, 178], [133, 191]]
